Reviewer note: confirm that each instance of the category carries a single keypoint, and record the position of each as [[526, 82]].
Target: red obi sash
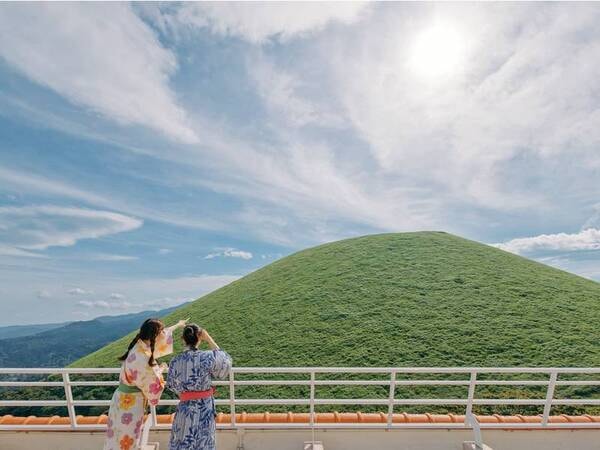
[[196, 395]]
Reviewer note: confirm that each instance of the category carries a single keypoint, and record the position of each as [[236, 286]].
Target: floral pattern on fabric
[[126, 413], [194, 422]]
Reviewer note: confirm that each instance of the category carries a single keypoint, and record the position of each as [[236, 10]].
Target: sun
[[438, 52]]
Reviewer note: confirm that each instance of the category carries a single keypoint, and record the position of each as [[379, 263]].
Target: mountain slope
[[409, 299]]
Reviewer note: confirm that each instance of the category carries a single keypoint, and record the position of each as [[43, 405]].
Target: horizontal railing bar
[[579, 383], [341, 401], [270, 401], [43, 370], [269, 382], [430, 401], [94, 383], [30, 383], [285, 425], [168, 402], [91, 402], [431, 382], [323, 383], [511, 383], [508, 401], [352, 382], [576, 401], [33, 403], [307, 370]]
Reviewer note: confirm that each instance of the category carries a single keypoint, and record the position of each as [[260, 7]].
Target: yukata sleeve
[[221, 364], [164, 342]]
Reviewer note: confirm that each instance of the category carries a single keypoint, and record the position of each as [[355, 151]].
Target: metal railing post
[[390, 417], [471, 393], [232, 398], [472, 421], [69, 398], [153, 415], [312, 398], [549, 398]]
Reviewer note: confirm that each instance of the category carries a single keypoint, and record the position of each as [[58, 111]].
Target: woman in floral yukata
[[190, 377], [140, 382]]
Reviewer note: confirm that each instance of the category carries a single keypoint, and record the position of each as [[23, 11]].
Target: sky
[[151, 153]]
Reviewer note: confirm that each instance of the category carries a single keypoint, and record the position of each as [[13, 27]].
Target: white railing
[[394, 380]]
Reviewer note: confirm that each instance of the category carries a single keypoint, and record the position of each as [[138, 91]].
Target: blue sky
[[151, 153]]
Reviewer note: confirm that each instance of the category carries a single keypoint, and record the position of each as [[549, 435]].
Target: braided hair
[[191, 335], [149, 331]]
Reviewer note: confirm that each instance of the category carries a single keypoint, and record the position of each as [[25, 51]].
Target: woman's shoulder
[[188, 355]]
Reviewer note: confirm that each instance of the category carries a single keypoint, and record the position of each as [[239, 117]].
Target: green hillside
[[410, 299]]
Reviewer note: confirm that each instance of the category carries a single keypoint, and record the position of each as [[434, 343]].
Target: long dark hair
[[190, 334], [149, 330]]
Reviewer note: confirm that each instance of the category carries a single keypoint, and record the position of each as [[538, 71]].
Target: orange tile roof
[[333, 417]]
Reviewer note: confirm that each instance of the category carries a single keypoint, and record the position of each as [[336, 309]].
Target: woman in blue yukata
[[190, 377]]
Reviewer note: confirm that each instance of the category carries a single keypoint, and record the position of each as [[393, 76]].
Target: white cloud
[[230, 253], [43, 293], [41, 227], [116, 296], [258, 22], [78, 291], [101, 56], [112, 257], [164, 251], [103, 304], [588, 239]]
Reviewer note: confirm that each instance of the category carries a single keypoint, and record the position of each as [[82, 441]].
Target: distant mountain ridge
[[14, 331], [64, 343]]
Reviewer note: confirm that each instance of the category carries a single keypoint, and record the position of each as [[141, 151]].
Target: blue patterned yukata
[[194, 422]]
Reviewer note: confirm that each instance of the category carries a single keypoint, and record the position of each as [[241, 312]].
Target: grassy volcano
[[409, 299]]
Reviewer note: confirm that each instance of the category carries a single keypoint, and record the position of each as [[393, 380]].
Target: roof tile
[[331, 417]]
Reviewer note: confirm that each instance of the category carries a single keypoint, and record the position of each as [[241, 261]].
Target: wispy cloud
[[7, 250], [112, 257], [27, 182], [588, 239], [44, 226], [260, 21], [281, 93], [70, 48]]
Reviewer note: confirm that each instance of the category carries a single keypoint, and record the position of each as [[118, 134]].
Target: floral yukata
[[140, 384], [194, 422]]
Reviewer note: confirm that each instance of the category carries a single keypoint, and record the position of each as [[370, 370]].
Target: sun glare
[[438, 52]]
